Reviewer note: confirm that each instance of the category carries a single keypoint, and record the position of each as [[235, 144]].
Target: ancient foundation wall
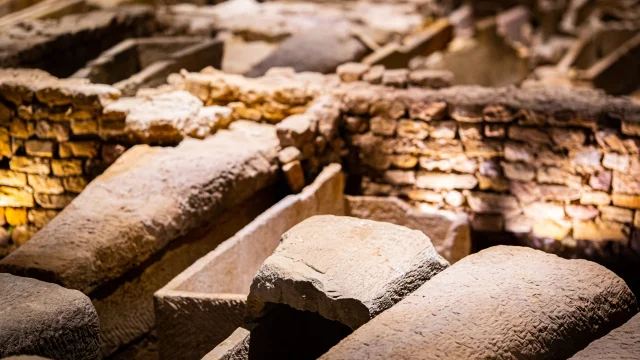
[[204, 304], [556, 167]]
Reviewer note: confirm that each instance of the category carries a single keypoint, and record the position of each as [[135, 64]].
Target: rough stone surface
[[448, 232], [214, 289], [40, 318], [503, 302], [345, 269], [146, 200], [622, 343]]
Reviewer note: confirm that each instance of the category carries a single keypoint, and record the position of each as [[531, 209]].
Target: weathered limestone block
[[12, 178], [483, 149], [443, 129], [51, 201], [40, 318], [374, 75], [544, 210], [568, 139], [295, 130], [295, 175], [494, 130], [428, 111], [395, 77], [39, 148], [518, 171], [434, 79], [14, 197], [49, 130], [554, 175], [622, 343], [30, 165], [21, 129], [627, 201], [556, 229], [449, 233], [586, 159], [45, 184], [383, 126], [601, 180], [399, 177], [439, 181], [345, 269], [616, 162], [626, 183], [351, 71], [599, 231], [466, 113], [150, 198], [613, 213], [41, 217], [470, 132], [71, 167], [581, 212], [81, 149], [595, 198], [488, 203], [473, 306], [404, 161], [74, 184]]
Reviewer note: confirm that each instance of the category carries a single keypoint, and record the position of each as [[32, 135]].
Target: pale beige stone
[[443, 129], [559, 193], [439, 181], [494, 130], [483, 149], [74, 184], [423, 195], [374, 75], [47, 130], [431, 164], [404, 161], [295, 176], [395, 77], [12, 178], [70, 167], [12, 197], [626, 183], [544, 210], [454, 198], [554, 175], [411, 129], [552, 229], [529, 135], [568, 138], [41, 148], [581, 212], [352, 71], [383, 126], [488, 203], [466, 113], [84, 127], [518, 171], [631, 128], [469, 132], [289, 154], [636, 219], [586, 159], [399, 177], [613, 213], [595, 198], [50, 201], [518, 224], [21, 234], [45, 184], [497, 114], [30, 165], [41, 217], [599, 231], [600, 180], [616, 162]]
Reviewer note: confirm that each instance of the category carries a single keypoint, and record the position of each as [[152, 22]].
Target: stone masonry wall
[[56, 135], [50, 147], [551, 165]]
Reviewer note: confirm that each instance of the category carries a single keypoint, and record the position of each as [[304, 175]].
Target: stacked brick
[[560, 164], [50, 147], [397, 78], [550, 165]]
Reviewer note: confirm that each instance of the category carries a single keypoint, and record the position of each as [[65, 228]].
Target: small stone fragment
[[294, 175]]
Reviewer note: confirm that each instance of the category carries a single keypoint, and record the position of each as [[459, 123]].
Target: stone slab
[[622, 343], [130, 221], [345, 269], [214, 289], [503, 302], [448, 232], [40, 318]]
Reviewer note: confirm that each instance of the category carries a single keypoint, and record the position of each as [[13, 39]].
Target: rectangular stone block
[[595, 198], [626, 201], [613, 213], [84, 127], [39, 148], [51, 201], [45, 184], [473, 305], [599, 231], [30, 165], [12, 178], [440, 181], [79, 149], [41, 217], [12, 197], [74, 184]]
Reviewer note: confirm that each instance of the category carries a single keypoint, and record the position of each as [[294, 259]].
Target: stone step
[[503, 302], [39, 318]]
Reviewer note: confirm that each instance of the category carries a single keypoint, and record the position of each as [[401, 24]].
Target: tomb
[[251, 179]]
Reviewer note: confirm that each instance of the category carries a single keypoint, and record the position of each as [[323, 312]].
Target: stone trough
[[204, 304], [147, 62]]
